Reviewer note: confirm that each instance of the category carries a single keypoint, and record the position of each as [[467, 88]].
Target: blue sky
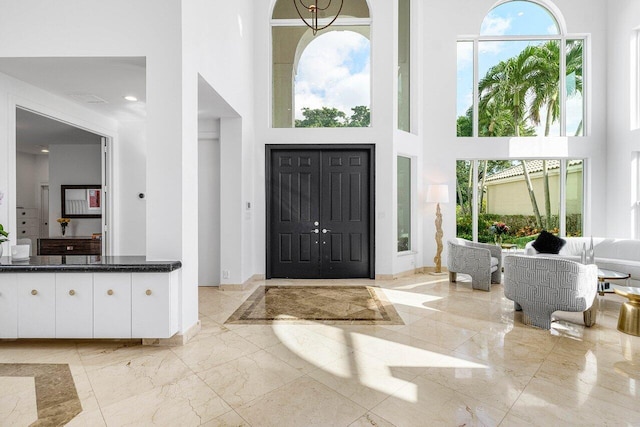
[[334, 71]]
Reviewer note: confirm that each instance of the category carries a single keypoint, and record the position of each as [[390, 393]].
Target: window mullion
[[474, 206], [562, 86], [476, 92], [563, 197]]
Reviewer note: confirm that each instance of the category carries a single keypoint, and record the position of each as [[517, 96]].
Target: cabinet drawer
[[69, 247], [26, 213], [28, 223]]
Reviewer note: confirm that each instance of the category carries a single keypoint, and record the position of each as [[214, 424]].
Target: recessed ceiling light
[[44, 150], [131, 98]]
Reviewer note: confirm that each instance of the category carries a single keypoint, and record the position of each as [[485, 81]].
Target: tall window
[[529, 76], [404, 65], [322, 80], [404, 204], [525, 195], [635, 81]]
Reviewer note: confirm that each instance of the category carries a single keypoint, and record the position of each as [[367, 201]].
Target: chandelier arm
[[314, 15], [323, 8], [334, 18]]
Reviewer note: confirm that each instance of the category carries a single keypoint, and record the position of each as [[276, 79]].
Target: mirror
[[81, 201]]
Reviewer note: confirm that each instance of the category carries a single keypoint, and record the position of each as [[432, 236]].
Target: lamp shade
[[438, 193]]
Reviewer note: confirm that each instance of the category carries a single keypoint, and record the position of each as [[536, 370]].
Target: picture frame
[[81, 201]]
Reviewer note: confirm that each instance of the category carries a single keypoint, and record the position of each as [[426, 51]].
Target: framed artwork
[[94, 202]]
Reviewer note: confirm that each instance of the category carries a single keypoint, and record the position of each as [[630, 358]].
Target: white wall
[[31, 171], [621, 211], [130, 162], [209, 212], [72, 165]]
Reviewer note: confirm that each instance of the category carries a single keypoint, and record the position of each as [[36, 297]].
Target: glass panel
[[464, 102], [507, 191], [519, 18], [404, 204], [574, 197], [285, 9], [575, 100], [331, 85], [464, 199], [519, 86], [404, 64]]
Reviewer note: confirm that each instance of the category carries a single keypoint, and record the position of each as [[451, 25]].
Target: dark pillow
[[547, 243]]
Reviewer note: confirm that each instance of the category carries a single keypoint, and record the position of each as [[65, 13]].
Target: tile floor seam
[[84, 369]]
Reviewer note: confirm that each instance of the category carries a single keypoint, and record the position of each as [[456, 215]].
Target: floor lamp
[[438, 193]]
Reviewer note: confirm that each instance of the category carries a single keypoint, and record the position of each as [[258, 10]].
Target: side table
[[629, 318]]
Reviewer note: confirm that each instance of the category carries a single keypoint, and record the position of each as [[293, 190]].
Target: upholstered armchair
[[539, 286], [481, 261]]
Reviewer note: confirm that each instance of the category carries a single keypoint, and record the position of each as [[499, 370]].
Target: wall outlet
[[225, 274]]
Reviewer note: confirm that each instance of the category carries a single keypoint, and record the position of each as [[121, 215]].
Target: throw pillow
[[547, 243]]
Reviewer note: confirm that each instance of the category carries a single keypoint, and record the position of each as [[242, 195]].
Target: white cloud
[[465, 55], [495, 25], [334, 71]]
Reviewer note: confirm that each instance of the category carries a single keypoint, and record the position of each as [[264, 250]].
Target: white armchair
[[539, 286], [483, 262]]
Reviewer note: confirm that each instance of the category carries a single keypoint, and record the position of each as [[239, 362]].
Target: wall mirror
[[81, 201]]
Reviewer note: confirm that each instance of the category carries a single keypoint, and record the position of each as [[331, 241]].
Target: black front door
[[319, 214]]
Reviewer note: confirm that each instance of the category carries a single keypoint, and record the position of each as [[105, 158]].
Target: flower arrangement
[[63, 224], [499, 228]]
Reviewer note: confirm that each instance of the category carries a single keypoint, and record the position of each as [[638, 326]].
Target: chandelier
[[314, 8]]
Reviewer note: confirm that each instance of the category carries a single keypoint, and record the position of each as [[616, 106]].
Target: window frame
[[339, 22], [475, 164], [412, 201], [562, 38]]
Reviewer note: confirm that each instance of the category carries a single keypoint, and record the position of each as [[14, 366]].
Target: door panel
[[295, 194], [319, 214], [345, 214]]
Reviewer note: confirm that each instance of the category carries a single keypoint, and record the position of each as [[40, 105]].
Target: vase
[[498, 239], [0, 250]]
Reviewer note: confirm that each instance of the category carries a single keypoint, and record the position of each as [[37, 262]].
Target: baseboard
[[408, 273], [243, 286], [175, 341]]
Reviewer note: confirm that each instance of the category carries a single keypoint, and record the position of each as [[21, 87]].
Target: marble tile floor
[[462, 357]]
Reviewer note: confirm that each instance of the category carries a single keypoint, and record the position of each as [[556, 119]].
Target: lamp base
[[442, 273]]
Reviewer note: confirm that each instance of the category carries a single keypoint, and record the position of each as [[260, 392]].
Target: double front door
[[319, 214]]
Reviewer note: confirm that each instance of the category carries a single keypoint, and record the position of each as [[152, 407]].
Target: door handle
[[325, 231], [315, 230]]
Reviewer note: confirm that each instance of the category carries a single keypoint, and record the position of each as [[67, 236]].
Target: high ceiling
[[97, 83]]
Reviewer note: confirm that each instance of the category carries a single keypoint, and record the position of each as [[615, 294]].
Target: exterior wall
[[511, 197]]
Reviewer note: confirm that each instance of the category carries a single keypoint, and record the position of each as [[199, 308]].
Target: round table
[[604, 275], [629, 318]]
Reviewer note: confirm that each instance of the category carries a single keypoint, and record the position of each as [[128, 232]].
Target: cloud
[[495, 25], [334, 71]]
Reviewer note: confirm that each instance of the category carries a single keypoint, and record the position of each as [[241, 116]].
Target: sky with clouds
[[513, 18], [334, 71]]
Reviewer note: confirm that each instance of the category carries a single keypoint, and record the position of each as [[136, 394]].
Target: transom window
[[509, 76], [322, 80]]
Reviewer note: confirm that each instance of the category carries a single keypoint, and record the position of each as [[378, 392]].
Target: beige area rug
[[350, 305]]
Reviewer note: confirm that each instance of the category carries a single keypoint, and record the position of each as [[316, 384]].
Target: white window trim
[[413, 183], [475, 164], [562, 37]]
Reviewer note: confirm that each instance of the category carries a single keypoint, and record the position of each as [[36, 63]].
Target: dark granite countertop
[[87, 264]]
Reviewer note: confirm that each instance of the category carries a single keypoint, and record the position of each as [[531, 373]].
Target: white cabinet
[[36, 305], [28, 226], [151, 297], [74, 305], [8, 306], [112, 305]]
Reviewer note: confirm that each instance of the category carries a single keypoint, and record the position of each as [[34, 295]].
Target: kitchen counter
[[87, 264]]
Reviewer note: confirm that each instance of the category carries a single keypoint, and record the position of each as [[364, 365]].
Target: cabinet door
[[74, 305], [8, 305], [112, 305], [36, 305], [151, 305]]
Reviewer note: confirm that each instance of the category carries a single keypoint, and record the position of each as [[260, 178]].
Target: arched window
[[509, 76], [321, 80]]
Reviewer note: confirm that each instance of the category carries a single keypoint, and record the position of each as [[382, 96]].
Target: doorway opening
[[320, 211], [51, 155]]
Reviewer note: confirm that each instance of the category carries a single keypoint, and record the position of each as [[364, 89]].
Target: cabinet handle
[[148, 292], [110, 292], [69, 248], [23, 213], [24, 232], [24, 222], [72, 292], [34, 292]]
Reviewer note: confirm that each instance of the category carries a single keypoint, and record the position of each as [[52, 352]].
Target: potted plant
[[3, 237], [498, 229]]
